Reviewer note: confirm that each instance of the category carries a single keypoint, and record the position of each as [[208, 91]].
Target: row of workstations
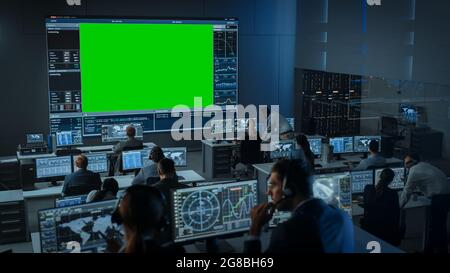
[[42, 175], [206, 213]]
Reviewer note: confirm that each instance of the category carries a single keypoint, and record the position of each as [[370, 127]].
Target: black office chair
[[436, 237]]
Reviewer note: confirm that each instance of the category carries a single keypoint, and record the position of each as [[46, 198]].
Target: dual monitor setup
[[136, 159], [340, 189], [341, 145], [197, 213], [56, 168]]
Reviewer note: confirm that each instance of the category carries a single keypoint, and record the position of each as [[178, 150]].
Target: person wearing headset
[[423, 177], [143, 213], [313, 227]]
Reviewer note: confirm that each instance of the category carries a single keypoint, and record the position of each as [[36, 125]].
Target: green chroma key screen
[[127, 67]]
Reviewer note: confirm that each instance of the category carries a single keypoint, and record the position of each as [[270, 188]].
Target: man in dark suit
[[131, 142], [314, 225], [82, 181]]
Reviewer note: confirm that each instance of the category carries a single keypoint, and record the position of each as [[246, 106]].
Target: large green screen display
[[128, 67]]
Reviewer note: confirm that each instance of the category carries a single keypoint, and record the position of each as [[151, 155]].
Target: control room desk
[[44, 197], [362, 238]]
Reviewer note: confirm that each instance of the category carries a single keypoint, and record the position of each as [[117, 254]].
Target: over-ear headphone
[[289, 188], [161, 223]]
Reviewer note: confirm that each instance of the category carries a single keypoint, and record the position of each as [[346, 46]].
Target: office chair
[[436, 237]]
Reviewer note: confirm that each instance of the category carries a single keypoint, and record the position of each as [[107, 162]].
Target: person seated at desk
[[374, 159], [382, 210], [314, 225], [423, 177], [142, 212], [130, 143], [155, 155], [303, 142], [109, 191], [82, 181], [168, 177]]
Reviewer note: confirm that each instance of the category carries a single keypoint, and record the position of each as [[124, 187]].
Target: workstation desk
[[43, 197], [236, 245]]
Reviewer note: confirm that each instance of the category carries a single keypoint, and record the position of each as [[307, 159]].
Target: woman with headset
[[142, 212]]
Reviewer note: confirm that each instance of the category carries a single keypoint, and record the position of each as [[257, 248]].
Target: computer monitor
[[316, 145], [222, 129], [335, 189], [34, 139], [97, 162], [360, 179], [399, 179], [408, 113], [87, 225], [342, 145], [70, 201], [177, 154], [117, 132], [361, 143], [214, 210], [291, 122], [243, 124], [69, 138], [132, 160], [53, 167], [282, 149]]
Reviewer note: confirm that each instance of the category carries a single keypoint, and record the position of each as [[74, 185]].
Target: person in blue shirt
[[374, 160]]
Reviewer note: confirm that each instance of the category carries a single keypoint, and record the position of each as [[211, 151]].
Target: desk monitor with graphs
[[97, 162], [316, 146], [70, 201], [69, 138], [342, 145], [360, 179], [213, 210], [133, 160], [177, 154], [399, 179], [361, 143], [87, 225], [334, 189], [53, 167]]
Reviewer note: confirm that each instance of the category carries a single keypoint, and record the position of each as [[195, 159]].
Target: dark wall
[[266, 53], [401, 39]]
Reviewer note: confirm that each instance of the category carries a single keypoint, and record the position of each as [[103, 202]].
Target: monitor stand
[[54, 183], [214, 245]]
